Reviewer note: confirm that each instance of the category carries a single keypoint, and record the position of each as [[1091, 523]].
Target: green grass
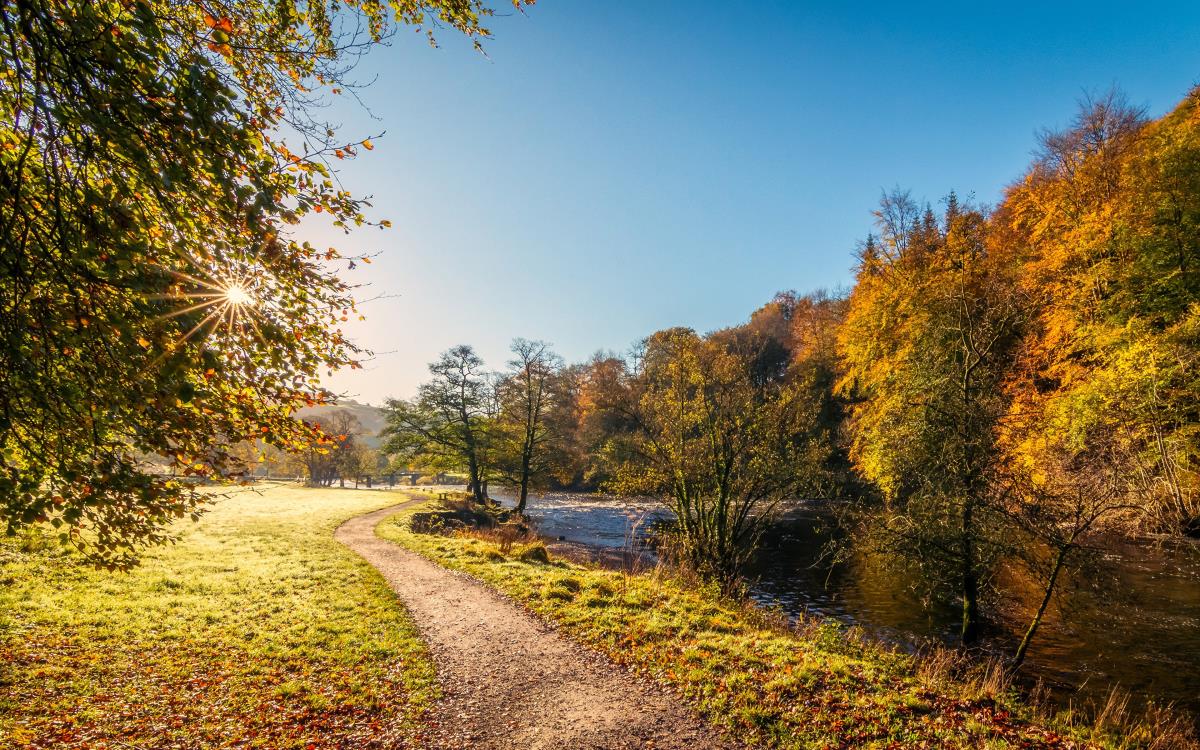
[[256, 630], [812, 687]]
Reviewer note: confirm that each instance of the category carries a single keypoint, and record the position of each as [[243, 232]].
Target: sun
[[236, 294], [228, 303]]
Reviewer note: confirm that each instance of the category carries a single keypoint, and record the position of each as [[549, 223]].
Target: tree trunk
[[970, 614], [970, 579], [1059, 560], [475, 486], [524, 488]]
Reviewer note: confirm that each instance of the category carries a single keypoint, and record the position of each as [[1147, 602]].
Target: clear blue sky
[[611, 168]]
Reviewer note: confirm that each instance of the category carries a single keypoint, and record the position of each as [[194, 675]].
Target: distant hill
[[371, 418]]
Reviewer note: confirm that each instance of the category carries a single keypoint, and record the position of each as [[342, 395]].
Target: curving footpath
[[510, 681]]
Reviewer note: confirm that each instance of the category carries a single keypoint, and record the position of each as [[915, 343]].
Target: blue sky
[[610, 169]]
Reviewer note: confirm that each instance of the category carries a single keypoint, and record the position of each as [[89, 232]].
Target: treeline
[[1022, 378], [1001, 385], [339, 454]]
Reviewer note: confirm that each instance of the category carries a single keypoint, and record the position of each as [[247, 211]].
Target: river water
[[1133, 621]]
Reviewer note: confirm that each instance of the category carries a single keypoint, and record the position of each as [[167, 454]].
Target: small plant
[[508, 534], [534, 553]]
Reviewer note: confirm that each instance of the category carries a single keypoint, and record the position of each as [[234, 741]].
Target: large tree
[[928, 339], [718, 443], [447, 425], [524, 454], [155, 156]]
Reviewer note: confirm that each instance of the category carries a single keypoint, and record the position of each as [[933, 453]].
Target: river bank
[[812, 685], [1132, 623]]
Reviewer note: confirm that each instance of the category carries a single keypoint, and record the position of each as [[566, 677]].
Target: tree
[[154, 157], [927, 343], [522, 433], [765, 340], [602, 418], [280, 463], [1057, 507], [1109, 216], [334, 456], [718, 443], [793, 339], [816, 367], [446, 426], [360, 463]]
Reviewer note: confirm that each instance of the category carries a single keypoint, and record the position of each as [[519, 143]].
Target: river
[[1132, 622]]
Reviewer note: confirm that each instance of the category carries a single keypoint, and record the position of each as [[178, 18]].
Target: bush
[[465, 515], [534, 553]]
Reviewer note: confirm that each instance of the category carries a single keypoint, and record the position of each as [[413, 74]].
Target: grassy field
[[812, 687], [256, 630]]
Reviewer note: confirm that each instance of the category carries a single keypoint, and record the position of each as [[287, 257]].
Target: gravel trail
[[510, 681]]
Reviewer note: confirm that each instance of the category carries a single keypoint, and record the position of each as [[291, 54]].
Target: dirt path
[[508, 680]]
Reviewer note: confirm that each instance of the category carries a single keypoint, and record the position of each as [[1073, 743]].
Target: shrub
[[534, 553]]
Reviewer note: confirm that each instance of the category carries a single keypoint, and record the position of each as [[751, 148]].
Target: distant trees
[[720, 426], [603, 417], [492, 426], [338, 454], [815, 368], [280, 463]]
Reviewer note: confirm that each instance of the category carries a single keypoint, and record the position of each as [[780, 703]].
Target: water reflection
[[1132, 621]]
